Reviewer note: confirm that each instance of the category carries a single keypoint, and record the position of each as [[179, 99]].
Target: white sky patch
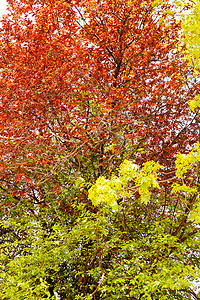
[[3, 4]]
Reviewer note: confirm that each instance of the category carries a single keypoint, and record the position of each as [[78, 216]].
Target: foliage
[[109, 191], [192, 33], [99, 183], [136, 250]]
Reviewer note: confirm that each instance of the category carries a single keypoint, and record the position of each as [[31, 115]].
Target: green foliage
[[130, 246], [195, 103], [195, 214], [184, 162], [109, 190], [130, 255], [191, 30]]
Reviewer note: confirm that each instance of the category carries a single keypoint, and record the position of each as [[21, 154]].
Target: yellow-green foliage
[[195, 103], [184, 162], [195, 214], [191, 30], [130, 179]]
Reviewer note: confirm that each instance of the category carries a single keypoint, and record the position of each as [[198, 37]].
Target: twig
[[100, 282]]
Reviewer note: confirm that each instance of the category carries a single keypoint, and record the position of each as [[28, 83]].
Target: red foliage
[[77, 76]]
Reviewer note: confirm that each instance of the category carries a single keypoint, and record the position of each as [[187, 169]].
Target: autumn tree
[[84, 86], [77, 77]]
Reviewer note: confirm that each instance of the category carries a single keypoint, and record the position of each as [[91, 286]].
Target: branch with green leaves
[[132, 179]]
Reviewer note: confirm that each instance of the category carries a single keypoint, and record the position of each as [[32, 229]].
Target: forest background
[[99, 147]]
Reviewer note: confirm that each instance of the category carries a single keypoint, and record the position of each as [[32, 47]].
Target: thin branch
[[100, 282]]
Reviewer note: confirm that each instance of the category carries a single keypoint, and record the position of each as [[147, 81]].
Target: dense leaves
[[93, 101], [88, 75]]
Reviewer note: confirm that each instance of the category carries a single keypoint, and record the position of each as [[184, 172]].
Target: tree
[[86, 76], [139, 249], [84, 86], [191, 31]]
